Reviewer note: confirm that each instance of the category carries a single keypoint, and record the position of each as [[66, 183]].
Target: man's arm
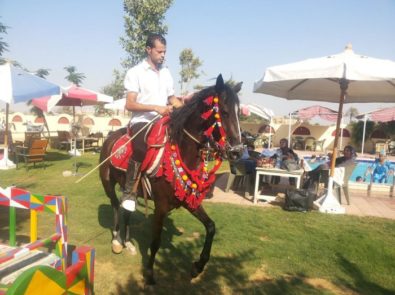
[[133, 106]]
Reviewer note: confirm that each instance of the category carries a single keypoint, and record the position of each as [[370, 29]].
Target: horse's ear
[[237, 87], [219, 85]]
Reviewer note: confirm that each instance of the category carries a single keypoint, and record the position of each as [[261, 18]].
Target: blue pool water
[[360, 169]]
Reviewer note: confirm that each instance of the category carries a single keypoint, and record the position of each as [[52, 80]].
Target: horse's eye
[[225, 115]]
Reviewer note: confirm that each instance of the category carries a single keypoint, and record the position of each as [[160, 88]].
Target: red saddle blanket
[[121, 152], [156, 139]]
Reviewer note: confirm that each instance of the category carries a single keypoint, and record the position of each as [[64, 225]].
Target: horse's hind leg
[[117, 242], [198, 266]]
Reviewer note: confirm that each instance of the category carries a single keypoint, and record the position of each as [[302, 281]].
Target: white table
[[260, 171]]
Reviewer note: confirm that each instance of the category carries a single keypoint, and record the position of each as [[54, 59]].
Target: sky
[[238, 38]]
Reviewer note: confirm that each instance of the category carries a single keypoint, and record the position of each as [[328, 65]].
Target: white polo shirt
[[152, 88]]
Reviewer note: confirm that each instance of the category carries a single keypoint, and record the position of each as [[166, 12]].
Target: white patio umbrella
[[344, 78], [264, 113], [308, 113], [381, 115], [73, 96], [16, 86]]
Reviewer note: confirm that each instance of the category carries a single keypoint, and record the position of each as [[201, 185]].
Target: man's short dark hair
[[151, 40]]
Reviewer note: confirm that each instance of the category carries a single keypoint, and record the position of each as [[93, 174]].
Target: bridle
[[222, 145]]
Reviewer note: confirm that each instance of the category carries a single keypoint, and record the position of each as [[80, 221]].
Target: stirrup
[[128, 201]]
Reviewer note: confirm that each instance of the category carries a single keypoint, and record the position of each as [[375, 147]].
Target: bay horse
[[207, 124]]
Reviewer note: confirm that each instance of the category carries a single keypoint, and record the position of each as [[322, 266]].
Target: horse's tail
[[109, 176]]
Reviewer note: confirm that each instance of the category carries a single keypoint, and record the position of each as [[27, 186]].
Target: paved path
[[378, 204]]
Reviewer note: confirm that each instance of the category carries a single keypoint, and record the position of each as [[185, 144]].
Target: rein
[[191, 136]]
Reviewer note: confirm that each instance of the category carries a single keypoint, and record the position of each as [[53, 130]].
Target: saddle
[[155, 138]]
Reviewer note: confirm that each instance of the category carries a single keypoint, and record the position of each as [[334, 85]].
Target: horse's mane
[[180, 116]]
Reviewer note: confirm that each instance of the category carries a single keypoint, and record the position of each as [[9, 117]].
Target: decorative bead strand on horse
[[206, 127]]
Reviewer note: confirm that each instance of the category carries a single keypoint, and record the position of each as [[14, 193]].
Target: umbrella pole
[[363, 134], [289, 130], [270, 132], [343, 88], [341, 133], [7, 109], [5, 163], [328, 203]]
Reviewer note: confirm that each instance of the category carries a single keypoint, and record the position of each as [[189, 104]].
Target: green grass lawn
[[256, 250]]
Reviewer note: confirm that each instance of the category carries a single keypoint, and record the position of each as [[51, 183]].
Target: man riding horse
[[150, 91]]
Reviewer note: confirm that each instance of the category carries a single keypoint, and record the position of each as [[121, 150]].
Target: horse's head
[[211, 117], [229, 104]]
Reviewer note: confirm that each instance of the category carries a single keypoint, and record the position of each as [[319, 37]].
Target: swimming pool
[[360, 169]]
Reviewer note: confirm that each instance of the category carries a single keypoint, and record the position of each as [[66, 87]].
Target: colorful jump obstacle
[[28, 269]]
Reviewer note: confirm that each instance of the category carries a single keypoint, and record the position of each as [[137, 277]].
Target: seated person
[[266, 152], [282, 154], [381, 169], [248, 161], [313, 176]]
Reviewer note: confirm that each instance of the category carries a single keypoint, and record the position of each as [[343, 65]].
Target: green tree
[[189, 68], [73, 76], [357, 131], [142, 18], [114, 89], [3, 44], [352, 113]]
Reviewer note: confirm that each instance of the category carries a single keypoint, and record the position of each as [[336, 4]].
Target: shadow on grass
[[56, 156], [223, 274], [361, 284]]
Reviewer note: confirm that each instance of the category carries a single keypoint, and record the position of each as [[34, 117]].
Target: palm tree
[[3, 45], [73, 76], [42, 73]]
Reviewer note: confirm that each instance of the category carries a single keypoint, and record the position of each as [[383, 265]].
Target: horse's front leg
[[159, 216], [198, 266], [117, 242]]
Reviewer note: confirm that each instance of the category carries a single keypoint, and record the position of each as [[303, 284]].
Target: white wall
[[101, 124]]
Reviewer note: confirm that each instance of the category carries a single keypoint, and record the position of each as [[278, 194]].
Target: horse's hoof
[[131, 248], [196, 270], [149, 278], [149, 288], [116, 247]]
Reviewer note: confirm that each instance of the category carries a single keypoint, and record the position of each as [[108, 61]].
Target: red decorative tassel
[[207, 114], [209, 100], [209, 131]]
